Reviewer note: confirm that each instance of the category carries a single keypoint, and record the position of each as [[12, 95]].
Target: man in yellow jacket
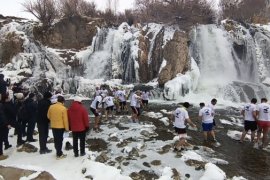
[[57, 114]]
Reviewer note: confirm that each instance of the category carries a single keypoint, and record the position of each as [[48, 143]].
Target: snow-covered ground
[[131, 147]]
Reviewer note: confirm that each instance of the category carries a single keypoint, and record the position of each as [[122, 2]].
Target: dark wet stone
[[187, 175], [197, 164], [156, 162], [165, 149], [84, 170], [119, 159], [122, 144], [145, 133], [113, 139], [176, 175], [134, 153], [143, 175], [102, 158], [112, 163], [196, 148], [146, 164], [121, 127], [143, 156], [126, 163], [96, 144], [89, 177], [29, 148]]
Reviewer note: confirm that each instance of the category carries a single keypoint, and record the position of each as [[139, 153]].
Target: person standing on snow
[[58, 116], [79, 125]]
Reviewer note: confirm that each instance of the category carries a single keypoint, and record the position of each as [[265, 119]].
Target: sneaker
[[3, 157], [46, 151], [82, 154], [76, 155], [61, 157], [8, 146]]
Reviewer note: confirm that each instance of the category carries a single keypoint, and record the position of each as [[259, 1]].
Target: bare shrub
[[69, 8], [44, 10], [87, 8], [182, 12], [245, 11]]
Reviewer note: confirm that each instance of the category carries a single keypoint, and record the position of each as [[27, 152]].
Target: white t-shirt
[[109, 101], [212, 108], [248, 111], [264, 112], [94, 102], [121, 95], [207, 115], [134, 100], [98, 92], [145, 95], [104, 91], [180, 116]]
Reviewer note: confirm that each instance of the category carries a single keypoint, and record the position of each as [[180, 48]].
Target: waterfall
[[229, 64]]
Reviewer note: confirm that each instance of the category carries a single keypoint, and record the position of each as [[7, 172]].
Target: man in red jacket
[[79, 125]]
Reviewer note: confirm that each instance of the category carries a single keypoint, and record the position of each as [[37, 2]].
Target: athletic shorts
[[109, 108], [136, 110], [264, 124], [145, 102], [181, 132], [250, 125], [123, 103], [207, 126], [94, 111]]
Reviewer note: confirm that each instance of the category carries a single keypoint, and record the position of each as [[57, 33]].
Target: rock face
[[70, 33], [10, 45], [152, 53], [176, 54]]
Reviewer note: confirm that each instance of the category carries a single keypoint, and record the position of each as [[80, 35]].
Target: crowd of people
[[24, 111]]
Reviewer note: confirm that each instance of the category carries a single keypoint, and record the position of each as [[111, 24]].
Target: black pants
[[2, 138], [58, 140], [78, 136], [43, 131], [31, 128]]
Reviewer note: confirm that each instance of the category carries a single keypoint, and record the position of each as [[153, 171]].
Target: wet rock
[[145, 133], [156, 162], [196, 148], [110, 126], [84, 170], [165, 149], [68, 146], [102, 158], [126, 163], [17, 173], [29, 148], [122, 144], [89, 177], [178, 155], [119, 159], [197, 164], [187, 175], [176, 175], [146, 164], [111, 163], [143, 175], [113, 139], [96, 144], [143, 156], [134, 152], [120, 127]]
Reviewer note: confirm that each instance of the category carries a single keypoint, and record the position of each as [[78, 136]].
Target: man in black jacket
[[31, 108], [3, 85], [43, 122], [3, 126]]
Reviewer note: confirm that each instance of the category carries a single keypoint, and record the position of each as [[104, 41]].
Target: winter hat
[[19, 95], [78, 99]]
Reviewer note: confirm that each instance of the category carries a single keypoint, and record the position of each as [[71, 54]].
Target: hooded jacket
[[78, 117]]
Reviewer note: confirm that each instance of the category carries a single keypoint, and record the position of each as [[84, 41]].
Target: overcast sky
[[14, 7]]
